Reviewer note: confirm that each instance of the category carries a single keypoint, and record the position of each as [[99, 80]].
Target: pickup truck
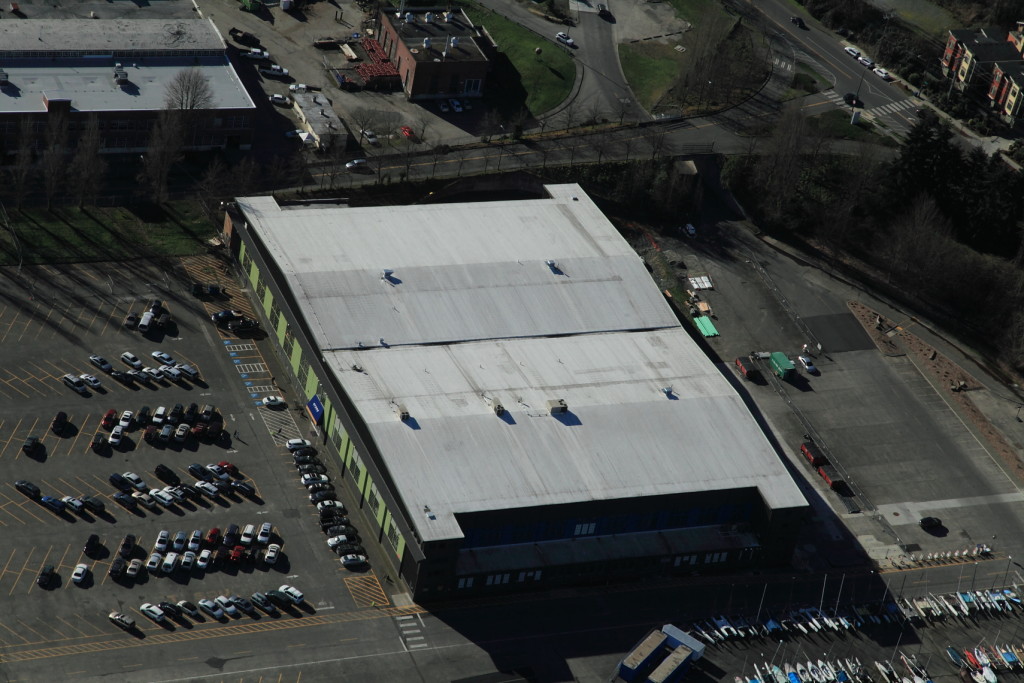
[[274, 70], [256, 53]]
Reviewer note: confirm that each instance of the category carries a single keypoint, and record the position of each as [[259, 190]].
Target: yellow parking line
[[8, 563], [27, 641], [10, 326], [30, 432], [22, 570]]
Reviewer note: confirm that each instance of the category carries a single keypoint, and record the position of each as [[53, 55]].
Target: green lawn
[[538, 82], [836, 124], [694, 10], [70, 235], [650, 69], [928, 16]]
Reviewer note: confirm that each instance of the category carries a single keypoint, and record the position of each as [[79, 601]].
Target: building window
[[584, 529], [393, 535], [372, 500], [466, 582], [715, 558], [535, 575], [356, 469], [498, 579]]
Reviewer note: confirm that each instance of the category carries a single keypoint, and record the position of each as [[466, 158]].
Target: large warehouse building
[[509, 395]]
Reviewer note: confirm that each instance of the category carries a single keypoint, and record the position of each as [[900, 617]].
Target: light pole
[[1007, 572], [974, 576]]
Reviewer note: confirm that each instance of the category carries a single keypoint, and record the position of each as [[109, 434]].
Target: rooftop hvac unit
[[499, 409], [386, 273], [558, 405], [403, 413], [120, 76], [426, 43], [3, 77]]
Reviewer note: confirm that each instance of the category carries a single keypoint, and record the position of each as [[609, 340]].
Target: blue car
[[55, 504]]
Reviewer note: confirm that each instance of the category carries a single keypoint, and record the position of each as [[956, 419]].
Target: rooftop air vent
[[448, 17], [429, 17], [403, 413], [386, 273], [3, 77], [499, 409], [558, 405]]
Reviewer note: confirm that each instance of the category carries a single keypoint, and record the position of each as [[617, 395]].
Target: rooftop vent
[[667, 391], [448, 17], [558, 405], [430, 515], [386, 273], [553, 265], [410, 18], [499, 409], [455, 42], [3, 77], [120, 75], [403, 413], [429, 17]]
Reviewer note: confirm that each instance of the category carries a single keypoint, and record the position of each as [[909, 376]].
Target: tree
[[188, 91], [87, 166], [364, 118], [54, 163], [214, 187], [164, 151]]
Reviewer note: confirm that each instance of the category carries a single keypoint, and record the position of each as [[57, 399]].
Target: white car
[[273, 401], [174, 493], [273, 552], [134, 479], [356, 163], [162, 357], [226, 604], [247, 534], [455, 105], [195, 541], [115, 435], [126, 419], [296, 444], [294, 593], [162, 539], [563, 38], [275, 70], [170, 562], [219, 472], [263, 537], [79, 574], [182, 432], [154, 562], [309, 479], [159, 415], [334, 541], [353, 561], [866, 61], [203, 561], [883, 74], [298, 87], [90, 380], [154, 373], [443, 106], [145, 500], [207, 488], [326, 504], [134, 567], [172, 373], [162, 497], [130, 359], [371, 137], [852, 51], [280, 100], [256, 53], [188, 560], [73, 503], [297, 133], [101, 363], [152, 611]]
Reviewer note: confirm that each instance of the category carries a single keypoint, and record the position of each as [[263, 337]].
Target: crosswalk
[[892, 107], [783, 63]]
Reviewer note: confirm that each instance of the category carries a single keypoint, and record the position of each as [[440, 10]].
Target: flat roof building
[[118, 70], [510, 396]]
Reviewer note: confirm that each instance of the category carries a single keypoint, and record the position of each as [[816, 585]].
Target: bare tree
[[594, 113], [164, 151], [87, 166], [54, 163], [423, 119], [364, 118], [622, 107], [24, 162], [188, 91], [571, 115], [214, 187]]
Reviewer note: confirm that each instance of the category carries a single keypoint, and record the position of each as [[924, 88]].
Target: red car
[[213, 537], [231, 469], [236, 553], [407, 132], [109, 419]]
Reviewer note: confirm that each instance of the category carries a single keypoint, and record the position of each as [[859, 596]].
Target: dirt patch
[[950, 377]]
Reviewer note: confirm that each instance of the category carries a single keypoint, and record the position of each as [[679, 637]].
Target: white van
[[147, 320]]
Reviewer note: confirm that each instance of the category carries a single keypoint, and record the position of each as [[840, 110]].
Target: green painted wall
[[296, 359], [282, 325], [241, 251], [268, 301], [311, 383]]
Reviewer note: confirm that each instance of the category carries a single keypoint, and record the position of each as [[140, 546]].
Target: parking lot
[[51, 321]]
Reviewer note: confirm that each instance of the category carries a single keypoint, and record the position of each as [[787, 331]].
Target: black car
[[243, 325], [199, 472], [170, 609], [333, 521], [127, 546], [341, 530], [311, 468], [28, 488], [306, 460], [166, 474], [190, 413], [798, 21], [321, 496], [98, 443], [123, 378], [117, 567], [280, 599], [120, 482], [155, 306], [320, 486], [191, 491], [332, 511], [46, 575], [144, 416], [350, 549], [131, 320], [242, 603], [31, 445], [174, 417], [93, 503], [92, 544], [126, 500], [244, 488], [303, 452], [261, 601], [231, 536], [930, 523], [852, 100], [60, 422]]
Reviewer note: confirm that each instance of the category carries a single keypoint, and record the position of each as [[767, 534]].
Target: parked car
[[273, 401], [273, 552], [211, 608], [80, 572], [90, 381], [853, 52], [131, 360], [101, 363], [353, 561], [294, 593], [281, 100], [152, 611], [122, 620], [295, 444], [263, 602], [563, 38], [808, 365]]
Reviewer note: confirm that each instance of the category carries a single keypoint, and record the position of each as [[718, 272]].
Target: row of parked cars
[[212, 481], [219, 607], [235, 321], [177, 423], [166, 370], [342, 537]]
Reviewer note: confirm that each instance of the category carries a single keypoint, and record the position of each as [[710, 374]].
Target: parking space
[[50, 328]]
